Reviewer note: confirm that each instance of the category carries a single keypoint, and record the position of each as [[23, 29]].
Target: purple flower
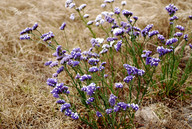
[[190, 17], [89, 22], [171, 9], [135, 106], [173, 18], [118, 45], [117, 10], [109, 39], [128, 78], [47, 36], [178, 34], [60, 101], [77, 76], [171, 23], [53, 64], [35, 26], [118, 85], [103, 5], [109, 111], [94, 42], [146, 30], [51, 82], [109, 19], [48, 63], [90, 89], [118, 31], [24, 37], [161, 37], [90, 100], [190, 46], [27, 30], [105, 50], [140, 72], [85, 77], [65, 106], [93, 69], [93, 61], [74, 116], [122, 105], [112, 99], [55, 75], [98, 114], [162, 51], [76, 53], [68, 112], [81, 7], [123, 3], [105, 75], [181, 28], [130, 69], [155, 62], [152, 33], [185, 37], [101, 68], [135, 17], [171, 41], [63, 26], [65, 59], [116, 108], [68, 2], [72, 16], [86, 16], [146, 53], [127, 13], [59, 70]]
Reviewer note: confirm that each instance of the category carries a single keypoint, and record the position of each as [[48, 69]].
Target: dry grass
[[25, 101]]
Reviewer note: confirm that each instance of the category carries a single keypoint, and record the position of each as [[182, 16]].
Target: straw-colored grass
[[25, 99]]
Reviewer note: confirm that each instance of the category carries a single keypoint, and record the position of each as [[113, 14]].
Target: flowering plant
[[110, 79]]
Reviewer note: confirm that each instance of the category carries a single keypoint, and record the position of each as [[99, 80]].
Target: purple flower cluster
[[118, 31], [90, 100], [128, 78], [152, 33], [146, 53], [35, 26], [181, 28], [109, 39], [171, 9], [68, 112], [190, 17], [90, 89], [93, 69], [27, 30], [47, 36], [85, 77], [132, 70], [118, 45], [51, 82], [24, 37], [63, 26], [173, 18], [146, 30], [190, 45], [112, 99], [127, 13], [152, 61], [162, 51], [109, 19], [122, 106], [178, 34], [118, 85], [117, 10], [161, 38], [185, 37], [93, 61], [98, 114], [59, 89], [171, 41]]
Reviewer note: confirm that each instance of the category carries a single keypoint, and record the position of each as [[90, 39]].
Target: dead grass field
[[25, 99]]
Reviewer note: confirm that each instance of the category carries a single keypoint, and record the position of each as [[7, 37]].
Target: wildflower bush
[[110, 80]]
